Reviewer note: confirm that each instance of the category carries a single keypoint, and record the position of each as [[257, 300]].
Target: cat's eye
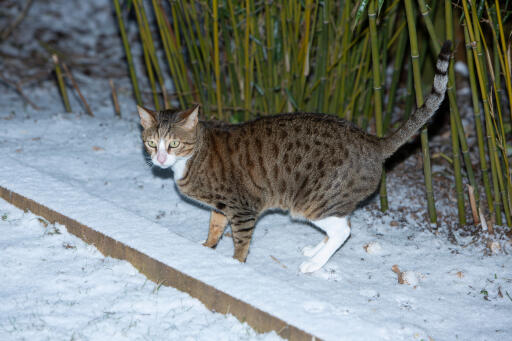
[[174, 144], [152, 144]]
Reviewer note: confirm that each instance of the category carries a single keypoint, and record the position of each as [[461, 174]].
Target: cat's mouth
[[164, 162]]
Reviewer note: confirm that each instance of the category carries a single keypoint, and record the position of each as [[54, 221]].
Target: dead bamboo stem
[[77, 89], [117, 108], [60, 83]]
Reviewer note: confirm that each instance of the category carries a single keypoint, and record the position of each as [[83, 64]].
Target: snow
[[56, 287], [95, 170]]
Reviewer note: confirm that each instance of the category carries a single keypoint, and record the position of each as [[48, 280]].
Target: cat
[[316, 166]]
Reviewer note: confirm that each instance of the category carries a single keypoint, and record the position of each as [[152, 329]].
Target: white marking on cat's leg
[[310, 250], [338, 230]]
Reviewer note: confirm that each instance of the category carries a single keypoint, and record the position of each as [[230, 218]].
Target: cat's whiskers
[[148, 162]]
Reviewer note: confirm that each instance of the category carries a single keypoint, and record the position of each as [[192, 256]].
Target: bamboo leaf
[[360, 10]]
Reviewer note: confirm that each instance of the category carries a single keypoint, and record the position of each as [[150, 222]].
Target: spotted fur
[[315, 166]]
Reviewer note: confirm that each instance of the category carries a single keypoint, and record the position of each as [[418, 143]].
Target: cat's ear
[[189, 118], [147, 117]]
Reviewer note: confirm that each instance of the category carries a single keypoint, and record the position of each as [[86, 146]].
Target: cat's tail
[[421, 115]]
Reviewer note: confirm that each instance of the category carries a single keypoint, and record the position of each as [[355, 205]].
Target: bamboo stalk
[[147, 57], [507, 67], [150, 47], [478, 122], [377, 92], [178, 80], [60, 82], [419, 102], [397, 69], [322, 58], [77, 89], [247, 70], [495, 167], [454, 116], [216, 56], [127, 51], [117, 108]]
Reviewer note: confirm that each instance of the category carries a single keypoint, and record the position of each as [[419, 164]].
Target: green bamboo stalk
[[362, 69], [454, 113], [305, 52], [152, 53], [147, 57], [366, 112], [507, 68], [459, 190], [377, 88], [505, 188], [409, 97], [478, 122], [216, 60], [271, 68], [419, 102], [322, 58], [247, 70], [495, 167], [232, 73], [495, 78], [196, 66], [500, 135], [129, 59], [179, 83], [397, 69], [430, 27], [343, 67], [60, 82]]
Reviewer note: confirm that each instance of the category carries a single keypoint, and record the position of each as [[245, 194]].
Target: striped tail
[[421, 115]]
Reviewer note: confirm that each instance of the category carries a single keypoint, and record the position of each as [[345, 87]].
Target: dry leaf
[[96, 148], [459, 274]]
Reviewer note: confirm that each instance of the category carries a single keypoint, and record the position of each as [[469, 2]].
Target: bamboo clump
[[243, 59]]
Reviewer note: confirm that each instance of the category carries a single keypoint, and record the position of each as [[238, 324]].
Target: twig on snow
[[18, 88]]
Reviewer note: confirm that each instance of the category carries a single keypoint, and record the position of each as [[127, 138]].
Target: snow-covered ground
[[457, 288], [456, 291], [56, 287]]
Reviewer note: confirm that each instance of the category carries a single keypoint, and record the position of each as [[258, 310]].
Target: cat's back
[[305, 131]]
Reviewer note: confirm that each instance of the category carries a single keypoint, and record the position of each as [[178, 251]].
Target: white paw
[[309, 251], [310, 266]]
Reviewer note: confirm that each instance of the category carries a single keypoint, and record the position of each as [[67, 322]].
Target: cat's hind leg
[[310, 250], [242, 228], [337, 230], [218, 222]]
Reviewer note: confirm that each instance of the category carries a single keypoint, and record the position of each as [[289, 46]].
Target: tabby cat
[[315, 166]]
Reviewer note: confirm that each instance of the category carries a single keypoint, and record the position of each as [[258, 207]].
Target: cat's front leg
[[218, 222], [242, 228]]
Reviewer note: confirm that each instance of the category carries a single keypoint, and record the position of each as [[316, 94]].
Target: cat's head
[[169, 136]]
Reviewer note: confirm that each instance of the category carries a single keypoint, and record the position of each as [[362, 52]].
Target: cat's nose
[[161, 157]]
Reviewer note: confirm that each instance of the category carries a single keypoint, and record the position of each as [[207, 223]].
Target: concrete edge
[[161, 273]]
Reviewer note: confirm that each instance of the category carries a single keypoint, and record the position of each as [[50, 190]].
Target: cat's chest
[[179, 168]]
